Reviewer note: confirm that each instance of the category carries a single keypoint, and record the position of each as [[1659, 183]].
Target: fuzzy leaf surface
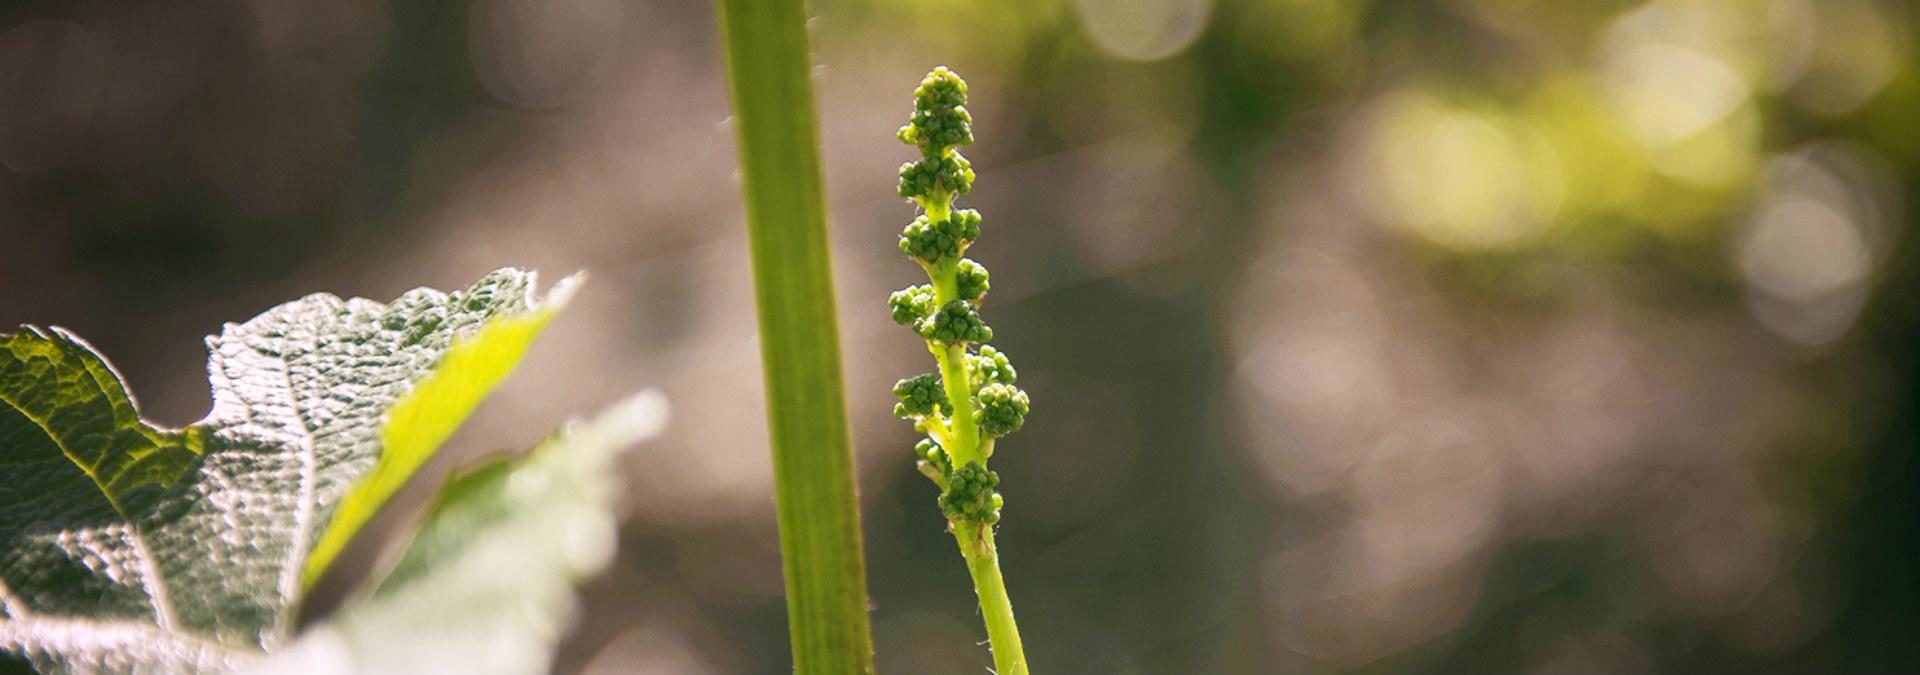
[[127, 547]]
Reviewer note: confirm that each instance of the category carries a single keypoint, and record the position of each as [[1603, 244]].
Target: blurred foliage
[[487, 586]]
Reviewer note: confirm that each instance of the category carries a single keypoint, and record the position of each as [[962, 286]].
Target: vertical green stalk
[[820, 549], [983, 563]]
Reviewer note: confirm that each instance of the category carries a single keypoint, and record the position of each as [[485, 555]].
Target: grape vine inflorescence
[[971, 401]]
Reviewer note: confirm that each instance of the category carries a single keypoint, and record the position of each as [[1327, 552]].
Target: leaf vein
[[150, 579], [304, 508]]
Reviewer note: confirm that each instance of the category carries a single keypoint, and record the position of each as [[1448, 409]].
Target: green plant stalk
[[820, 547], [963, 432], [983, 563]]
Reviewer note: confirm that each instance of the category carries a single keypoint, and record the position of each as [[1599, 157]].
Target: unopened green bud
[[957, 322], [970, 280], [1002, 409], [969, 495], [948, 172], [911, 304], [941, 88], [990, 366], [934, 241], [919, 396], [936, 131], [929, 451]]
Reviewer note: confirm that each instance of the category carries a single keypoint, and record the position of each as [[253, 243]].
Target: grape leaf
[[487, 585], [421, 421], [125, 547]]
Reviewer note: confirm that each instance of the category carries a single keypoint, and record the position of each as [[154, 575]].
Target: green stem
[[820, 548], [983, 562], [964, 432]]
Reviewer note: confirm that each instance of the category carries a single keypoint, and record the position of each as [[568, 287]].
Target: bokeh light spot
[[1459, 179], [1143, 30], [1808, 250], [542, 53]]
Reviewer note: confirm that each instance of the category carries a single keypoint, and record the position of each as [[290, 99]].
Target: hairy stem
[[983, 562], [820, 547]]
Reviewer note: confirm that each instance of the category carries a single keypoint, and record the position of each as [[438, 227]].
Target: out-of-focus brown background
[[1364, 337]]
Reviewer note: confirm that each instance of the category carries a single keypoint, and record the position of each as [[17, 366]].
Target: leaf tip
[[562, 292]]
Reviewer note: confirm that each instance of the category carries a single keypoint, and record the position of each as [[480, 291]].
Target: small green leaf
[[422, 421], [488, 584], [125, 547]]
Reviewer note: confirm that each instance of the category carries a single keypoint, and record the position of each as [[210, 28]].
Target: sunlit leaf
[[125, 547], [420, 422]]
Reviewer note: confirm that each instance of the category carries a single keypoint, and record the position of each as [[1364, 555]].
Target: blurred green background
[[1444, 336]]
